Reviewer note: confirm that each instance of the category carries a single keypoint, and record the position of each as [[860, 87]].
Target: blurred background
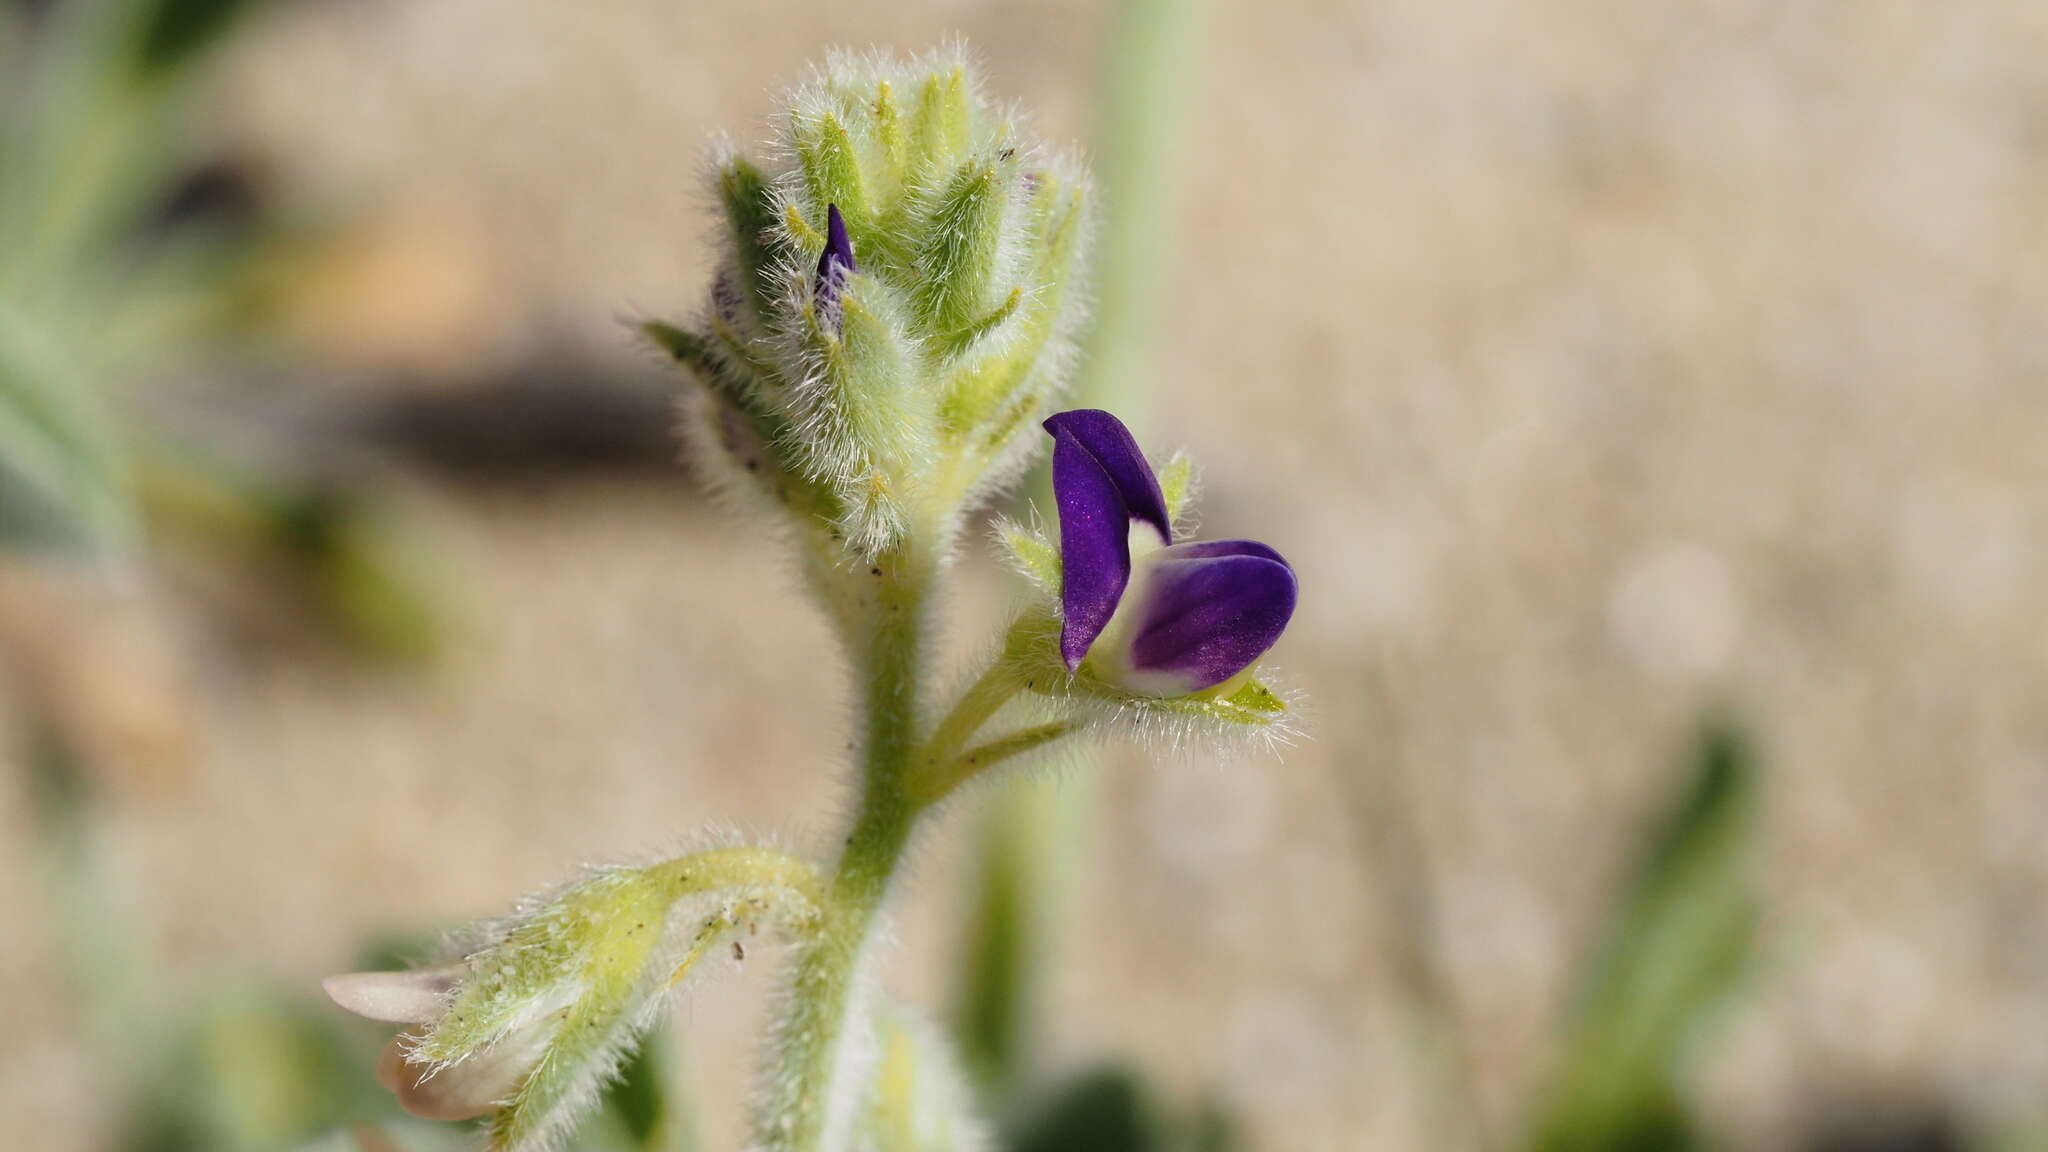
[[1652, 398]]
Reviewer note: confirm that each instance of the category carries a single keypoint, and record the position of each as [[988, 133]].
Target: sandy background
[[1594, 364]]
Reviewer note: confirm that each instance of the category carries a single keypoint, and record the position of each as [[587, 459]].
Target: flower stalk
[[822, 1038]]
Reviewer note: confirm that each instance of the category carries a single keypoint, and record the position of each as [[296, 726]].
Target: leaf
[[638, 1099], [1102, 1111], [996, 982], [176, 31], [1675, 949]]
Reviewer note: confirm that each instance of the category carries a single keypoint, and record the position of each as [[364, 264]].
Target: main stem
[[816, 1098]]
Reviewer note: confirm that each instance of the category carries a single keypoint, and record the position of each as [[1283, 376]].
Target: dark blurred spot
[[179, 30], [546, 420], [220, 196], [1103, 1111], [1921, 1131]]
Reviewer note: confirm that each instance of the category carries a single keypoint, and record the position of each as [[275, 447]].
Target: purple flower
[[1153, 617], [836, 261]]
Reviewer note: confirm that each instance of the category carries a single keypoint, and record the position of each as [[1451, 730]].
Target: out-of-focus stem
[[1152, 60]]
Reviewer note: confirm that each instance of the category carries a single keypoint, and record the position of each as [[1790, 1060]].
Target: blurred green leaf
[[639, 1097], [1109, 1109], [62, 485], [331, 544], [256, 1072], [1674, 950], [177, 31], [1102, 1111], [992, 1018]]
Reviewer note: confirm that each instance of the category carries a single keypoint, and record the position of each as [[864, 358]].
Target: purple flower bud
[[1153, 617], [836, 261]]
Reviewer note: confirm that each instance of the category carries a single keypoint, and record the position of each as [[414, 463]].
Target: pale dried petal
[[415, 997]]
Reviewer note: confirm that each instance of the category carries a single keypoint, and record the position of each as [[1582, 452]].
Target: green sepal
[[959, 257], [1033, 556], [1251, 705], [891, 141], [831, 166], [596, 934], [869, 422], [1177, 485], [620, 937], [1033, 651], [752, 219], [740, 424], [1004, 379], [696, 352], [942, 126]]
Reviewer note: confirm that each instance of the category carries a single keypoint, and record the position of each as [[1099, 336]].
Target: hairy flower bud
[[897, 305], [537, 1016]]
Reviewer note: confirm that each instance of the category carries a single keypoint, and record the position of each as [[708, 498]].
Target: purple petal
[[1095, 545], [1206, 549], [1104, 437], [837, 259], [1211, 609]]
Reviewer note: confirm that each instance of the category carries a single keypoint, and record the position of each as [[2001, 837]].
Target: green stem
[[982, 700], [748, 866], [814, 1099], [939, 778]]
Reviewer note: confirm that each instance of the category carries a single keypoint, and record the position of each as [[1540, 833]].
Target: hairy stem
[[982, 700], [742, 867], [937, 780], [814, 1099]]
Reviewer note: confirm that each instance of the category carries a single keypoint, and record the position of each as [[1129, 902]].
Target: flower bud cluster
[[895, 307]]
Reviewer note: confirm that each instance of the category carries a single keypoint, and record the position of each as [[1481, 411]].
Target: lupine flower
[[1149, 616]]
